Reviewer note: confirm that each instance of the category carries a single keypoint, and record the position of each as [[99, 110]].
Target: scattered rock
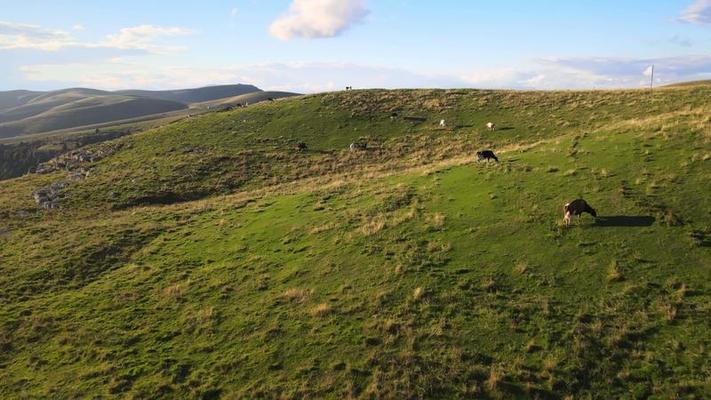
[[74, 162], [48, 196], [74, 159]]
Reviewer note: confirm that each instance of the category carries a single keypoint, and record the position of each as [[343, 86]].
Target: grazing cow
[[357, 146], [491, 126], [301, 146], [577, 207], [442, 124], [486, 155]]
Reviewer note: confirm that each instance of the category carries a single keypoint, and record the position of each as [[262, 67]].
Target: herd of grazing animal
[[574, 208]]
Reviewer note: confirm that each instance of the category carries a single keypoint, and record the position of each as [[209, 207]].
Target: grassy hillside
[[209, 259], [249, 98], [691, 83]]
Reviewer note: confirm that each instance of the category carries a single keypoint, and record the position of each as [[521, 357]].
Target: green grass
[[208, 259]]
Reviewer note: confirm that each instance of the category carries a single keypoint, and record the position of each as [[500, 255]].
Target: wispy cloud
[[26, 36], [318, 18], [593, 72], [144, 37], [698, 12], [626, 72], [148, 38], [293, 76]]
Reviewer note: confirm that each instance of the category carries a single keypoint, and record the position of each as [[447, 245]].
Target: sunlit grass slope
[[210, 259]]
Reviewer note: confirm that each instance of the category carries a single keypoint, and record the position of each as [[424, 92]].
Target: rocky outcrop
[[75, 162], [76, 158], [48, 197]]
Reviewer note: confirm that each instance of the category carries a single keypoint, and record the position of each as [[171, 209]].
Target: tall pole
[[651, 80]]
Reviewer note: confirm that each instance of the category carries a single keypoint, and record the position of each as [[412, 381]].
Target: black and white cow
[[577, 207]]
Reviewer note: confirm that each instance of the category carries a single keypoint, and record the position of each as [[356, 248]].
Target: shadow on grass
[[624, 220]]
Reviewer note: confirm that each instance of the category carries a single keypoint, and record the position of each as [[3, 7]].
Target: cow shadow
[[624, 220]]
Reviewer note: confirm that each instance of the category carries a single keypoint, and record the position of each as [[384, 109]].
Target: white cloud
[[625, 72], [698, 12], [318, 18], [144, 37], [309, 77], [77, 27], [297, 76], [26, 36]]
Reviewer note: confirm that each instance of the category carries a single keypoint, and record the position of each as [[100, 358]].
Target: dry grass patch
[[321, 310], [670, 311], [296, 295], [436, 221], [373, 225], [613, 272], [494, 379], [175, 291], [323, 228], [521, 267]]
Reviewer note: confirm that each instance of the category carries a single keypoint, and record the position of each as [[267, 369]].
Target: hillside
[[250, 98], [14, 98], [691, 83], [208, 258], [84, 111], [194, 95], [25, 112]]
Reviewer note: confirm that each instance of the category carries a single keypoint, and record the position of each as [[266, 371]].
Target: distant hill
[[14, 98], [66, 111], [24, 112], [193, 95], [250, 98]]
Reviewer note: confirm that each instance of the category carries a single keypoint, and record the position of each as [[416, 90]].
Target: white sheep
[[491, 126], [442, 124]]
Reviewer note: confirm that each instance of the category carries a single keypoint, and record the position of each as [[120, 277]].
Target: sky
[[319, 45]]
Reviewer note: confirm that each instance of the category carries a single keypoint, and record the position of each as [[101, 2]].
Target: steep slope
[[210, 259]]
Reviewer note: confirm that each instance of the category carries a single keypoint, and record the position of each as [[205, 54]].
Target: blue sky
[[316, 45]]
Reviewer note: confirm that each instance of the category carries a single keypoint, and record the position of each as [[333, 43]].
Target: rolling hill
[[209, 258], [85, 111], [26, 112], [706, 82], [250, 98], [193, 95]]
